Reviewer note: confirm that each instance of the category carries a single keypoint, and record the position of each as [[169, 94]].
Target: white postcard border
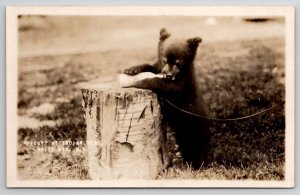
[[12, 90]]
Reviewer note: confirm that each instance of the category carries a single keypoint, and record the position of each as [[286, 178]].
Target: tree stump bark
[[126, 136]]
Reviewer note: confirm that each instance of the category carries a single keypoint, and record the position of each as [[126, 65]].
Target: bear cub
[[179, 93]]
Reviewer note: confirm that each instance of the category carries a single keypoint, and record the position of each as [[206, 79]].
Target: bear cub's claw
[[133, 70]]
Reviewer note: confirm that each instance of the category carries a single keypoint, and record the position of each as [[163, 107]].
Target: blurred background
[[42, 35]]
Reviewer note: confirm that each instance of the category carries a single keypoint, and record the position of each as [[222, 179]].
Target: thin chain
[[225, 119]]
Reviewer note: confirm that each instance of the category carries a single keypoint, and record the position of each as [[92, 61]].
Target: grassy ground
[[237, 78]]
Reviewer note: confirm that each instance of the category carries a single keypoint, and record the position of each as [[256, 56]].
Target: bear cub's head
[[176, 57]]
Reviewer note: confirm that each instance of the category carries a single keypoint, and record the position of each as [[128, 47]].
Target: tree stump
[[126, 136]]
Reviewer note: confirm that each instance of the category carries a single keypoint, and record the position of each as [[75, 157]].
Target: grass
[[237, 79]]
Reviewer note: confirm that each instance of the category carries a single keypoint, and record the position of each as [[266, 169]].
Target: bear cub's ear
[[194, 42], [164, 34]]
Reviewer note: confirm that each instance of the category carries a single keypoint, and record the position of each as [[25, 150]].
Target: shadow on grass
[[71, 127]]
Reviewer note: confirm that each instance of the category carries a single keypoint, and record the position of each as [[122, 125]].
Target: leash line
[[225, 119]]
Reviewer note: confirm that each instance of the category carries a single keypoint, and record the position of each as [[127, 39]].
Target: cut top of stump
[[109, 86]]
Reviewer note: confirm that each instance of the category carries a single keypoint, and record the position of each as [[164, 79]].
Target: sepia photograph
[[150, 96]]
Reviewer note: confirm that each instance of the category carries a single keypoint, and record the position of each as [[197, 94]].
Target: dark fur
[[192, 133]]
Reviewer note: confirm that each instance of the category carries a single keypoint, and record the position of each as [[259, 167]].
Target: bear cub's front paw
[[133, 70]]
